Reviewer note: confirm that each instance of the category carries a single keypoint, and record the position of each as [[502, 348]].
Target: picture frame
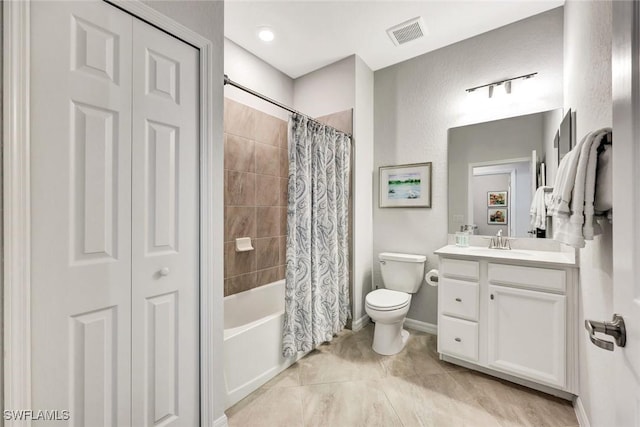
[[497, 198], [497, 216], [405, 186]]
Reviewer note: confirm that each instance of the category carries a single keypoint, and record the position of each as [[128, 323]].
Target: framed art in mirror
[[405, 186], [497, 198], [497, 216]]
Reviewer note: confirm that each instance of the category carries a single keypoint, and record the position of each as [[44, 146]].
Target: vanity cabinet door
[[527, 334]]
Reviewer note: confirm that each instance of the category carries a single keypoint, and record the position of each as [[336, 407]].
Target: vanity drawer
[[458, 338], [451, 267], [546, 279], [459, 298]]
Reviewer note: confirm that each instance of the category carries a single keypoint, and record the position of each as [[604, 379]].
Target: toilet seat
[[387, 300]]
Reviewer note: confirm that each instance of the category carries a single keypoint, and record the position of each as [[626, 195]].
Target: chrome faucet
[[499, 242]]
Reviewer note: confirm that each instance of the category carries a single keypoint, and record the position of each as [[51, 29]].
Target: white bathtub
[[253, 339]]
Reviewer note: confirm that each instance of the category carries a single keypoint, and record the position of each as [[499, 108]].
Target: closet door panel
[[165, 230], [81, 211]]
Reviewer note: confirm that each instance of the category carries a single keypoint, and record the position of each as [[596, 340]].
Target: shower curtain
[[317, 277]]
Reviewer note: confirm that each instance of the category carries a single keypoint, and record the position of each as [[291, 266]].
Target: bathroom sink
[[496, 252]]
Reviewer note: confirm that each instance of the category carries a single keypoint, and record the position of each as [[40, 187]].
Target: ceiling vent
[[407, 31]]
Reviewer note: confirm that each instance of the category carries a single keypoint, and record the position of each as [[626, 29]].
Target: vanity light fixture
[[503, 86]]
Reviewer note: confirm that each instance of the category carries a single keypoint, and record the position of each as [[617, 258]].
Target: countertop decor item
[[405, 186]]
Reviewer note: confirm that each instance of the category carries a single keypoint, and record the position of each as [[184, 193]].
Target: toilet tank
[[402, 272]]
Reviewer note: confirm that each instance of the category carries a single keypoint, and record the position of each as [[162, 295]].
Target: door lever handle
[[615, 328]]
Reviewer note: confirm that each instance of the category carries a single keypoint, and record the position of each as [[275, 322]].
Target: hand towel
[[573, 207], [565, 179], [591, 227], [538, 209]]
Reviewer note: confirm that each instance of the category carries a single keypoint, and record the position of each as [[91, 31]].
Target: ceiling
[[312, 34]]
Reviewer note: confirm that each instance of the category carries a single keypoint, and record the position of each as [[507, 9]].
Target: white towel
[[574, 195], [591, 227], [565, 180], [538, 209]]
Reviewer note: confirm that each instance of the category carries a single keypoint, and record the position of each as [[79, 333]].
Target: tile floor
[[344, 383]]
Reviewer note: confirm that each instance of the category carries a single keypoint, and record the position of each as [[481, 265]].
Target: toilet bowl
[[388, 307], [388, 310]]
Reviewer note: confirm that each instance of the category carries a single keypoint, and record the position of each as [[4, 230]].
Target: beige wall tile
[[256, 171], [267, 129], [239, 222], [342, 120], [283, 249], [239, 189], [283, 221], [267, 159], [244, 282], [239, 119], [282, 270], [284, 163], [267, 276], [268, 190], [239, 153], [284, 187], [284, 134], [267, 252], [237, 263], [268, 221]]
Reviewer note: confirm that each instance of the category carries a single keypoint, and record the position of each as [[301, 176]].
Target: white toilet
[[402, 275]]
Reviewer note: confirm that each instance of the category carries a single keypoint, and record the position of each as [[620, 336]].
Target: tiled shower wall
[[255, 200]]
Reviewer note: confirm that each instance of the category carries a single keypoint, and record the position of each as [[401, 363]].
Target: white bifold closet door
[[114, 236]]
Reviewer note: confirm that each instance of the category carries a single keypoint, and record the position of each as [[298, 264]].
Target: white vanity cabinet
[[508, 316]]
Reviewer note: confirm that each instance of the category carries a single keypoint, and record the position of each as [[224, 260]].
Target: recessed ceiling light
[[265, 34]]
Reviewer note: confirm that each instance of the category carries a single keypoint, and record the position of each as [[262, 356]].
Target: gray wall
[[363, 140], [588, 27], [550, 124], [1, 229], [417, 101], [247, 69], [481, 185], [326, 90]]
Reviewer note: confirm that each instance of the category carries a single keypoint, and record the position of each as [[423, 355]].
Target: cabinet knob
[[164, 271], [459, 339], [459, 299], [491, 296]]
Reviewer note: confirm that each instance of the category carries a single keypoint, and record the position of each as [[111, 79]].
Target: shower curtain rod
[[228, 81]]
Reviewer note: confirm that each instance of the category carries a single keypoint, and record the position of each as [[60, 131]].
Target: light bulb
[[266, 34]]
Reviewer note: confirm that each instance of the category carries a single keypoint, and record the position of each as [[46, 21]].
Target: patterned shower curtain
[[317, 278]]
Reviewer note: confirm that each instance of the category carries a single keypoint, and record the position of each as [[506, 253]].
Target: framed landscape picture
[[405, 186], [497, 216], [497, 198]]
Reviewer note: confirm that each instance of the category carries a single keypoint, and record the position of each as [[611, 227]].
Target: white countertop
[[564, 259]]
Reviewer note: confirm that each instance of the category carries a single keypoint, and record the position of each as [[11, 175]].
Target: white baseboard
[[360, 323], [581, 414], [221, 421], [418, 325]]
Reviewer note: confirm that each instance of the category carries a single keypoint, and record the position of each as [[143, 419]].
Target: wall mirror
[[495, 168]]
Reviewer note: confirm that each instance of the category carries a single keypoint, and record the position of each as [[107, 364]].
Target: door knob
[[164, 271], [615, 328]]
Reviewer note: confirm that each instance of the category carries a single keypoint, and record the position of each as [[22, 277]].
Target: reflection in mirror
[[495, 168]]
